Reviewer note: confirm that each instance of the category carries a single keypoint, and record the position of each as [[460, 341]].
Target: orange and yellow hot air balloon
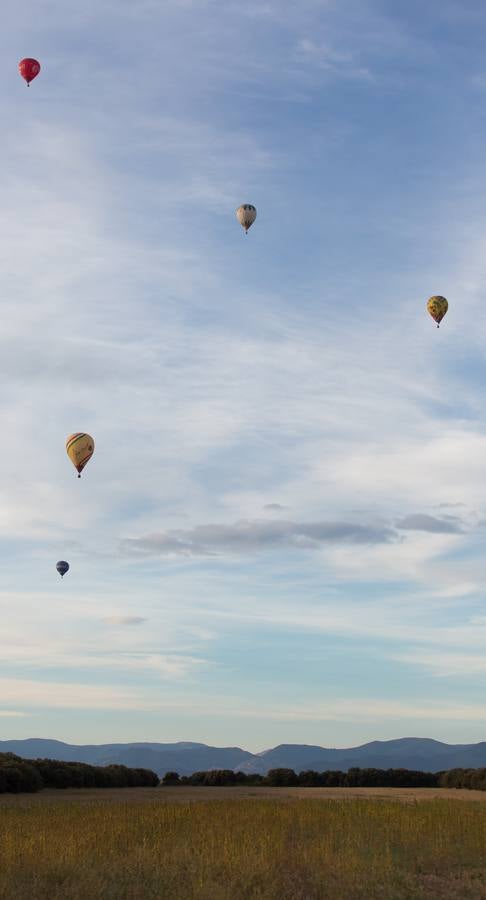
[[437, 306], [80, 449]]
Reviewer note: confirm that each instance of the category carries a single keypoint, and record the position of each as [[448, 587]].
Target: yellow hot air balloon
[[437, 306], [246, 215], [80, 449]]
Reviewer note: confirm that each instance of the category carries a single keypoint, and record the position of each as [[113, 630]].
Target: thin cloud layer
[[256, 535], [245, 536], [124, 620], [424, 522]]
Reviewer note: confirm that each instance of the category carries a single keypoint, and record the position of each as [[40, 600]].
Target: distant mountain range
[[185, 758]]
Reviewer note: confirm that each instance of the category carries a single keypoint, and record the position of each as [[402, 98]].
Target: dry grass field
[[143, 844], [197, 794]]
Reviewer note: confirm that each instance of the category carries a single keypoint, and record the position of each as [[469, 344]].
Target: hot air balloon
[[29, 69], [246, 215], [79, 448], [437, 306], [62, 567]]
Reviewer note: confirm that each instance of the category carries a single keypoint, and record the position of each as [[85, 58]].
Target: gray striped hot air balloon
[[246, 215]]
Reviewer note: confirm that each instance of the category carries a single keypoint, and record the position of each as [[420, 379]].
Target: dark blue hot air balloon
[[62, 567]]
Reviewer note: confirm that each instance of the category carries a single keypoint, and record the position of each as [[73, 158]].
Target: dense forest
[[458, 778], [20, 775]]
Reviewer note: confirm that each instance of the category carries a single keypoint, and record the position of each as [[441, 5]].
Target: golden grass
[[191, 794], [255, 849]]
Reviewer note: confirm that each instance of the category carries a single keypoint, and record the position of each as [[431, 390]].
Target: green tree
[[171, 778], [281, 778]]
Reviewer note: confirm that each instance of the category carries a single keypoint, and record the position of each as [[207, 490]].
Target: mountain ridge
[[186, 757]]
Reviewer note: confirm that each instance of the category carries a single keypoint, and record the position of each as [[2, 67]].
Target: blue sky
[[281, 534]]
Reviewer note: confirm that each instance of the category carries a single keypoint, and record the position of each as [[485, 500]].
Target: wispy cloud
[[447, 663], [50, 694], [336, 62], [370, 709], [124, 620], [256, 535], [424, 522], [253, 535]]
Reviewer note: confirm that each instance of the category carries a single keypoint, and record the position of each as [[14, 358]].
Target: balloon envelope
[[62, 567], [246, 215], [29, 69], [437, 306], [80, 449]]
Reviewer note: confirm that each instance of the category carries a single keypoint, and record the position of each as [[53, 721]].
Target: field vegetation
[[255, 849]]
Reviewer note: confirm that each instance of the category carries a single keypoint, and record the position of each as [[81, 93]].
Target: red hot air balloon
[[29, 69]]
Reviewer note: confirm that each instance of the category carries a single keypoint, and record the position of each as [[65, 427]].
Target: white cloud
[[38, 695], [165, 665], [49, 637], [370, 709], [336, 62], [447, 664], [124, 620]]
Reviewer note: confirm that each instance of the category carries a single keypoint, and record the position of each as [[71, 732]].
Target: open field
[[74, 847], [198, 794]]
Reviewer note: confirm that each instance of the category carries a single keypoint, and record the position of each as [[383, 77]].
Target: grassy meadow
[[255, 848]]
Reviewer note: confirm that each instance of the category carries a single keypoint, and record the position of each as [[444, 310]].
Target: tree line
[[355, 777], [473, 779], [20, 775]]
